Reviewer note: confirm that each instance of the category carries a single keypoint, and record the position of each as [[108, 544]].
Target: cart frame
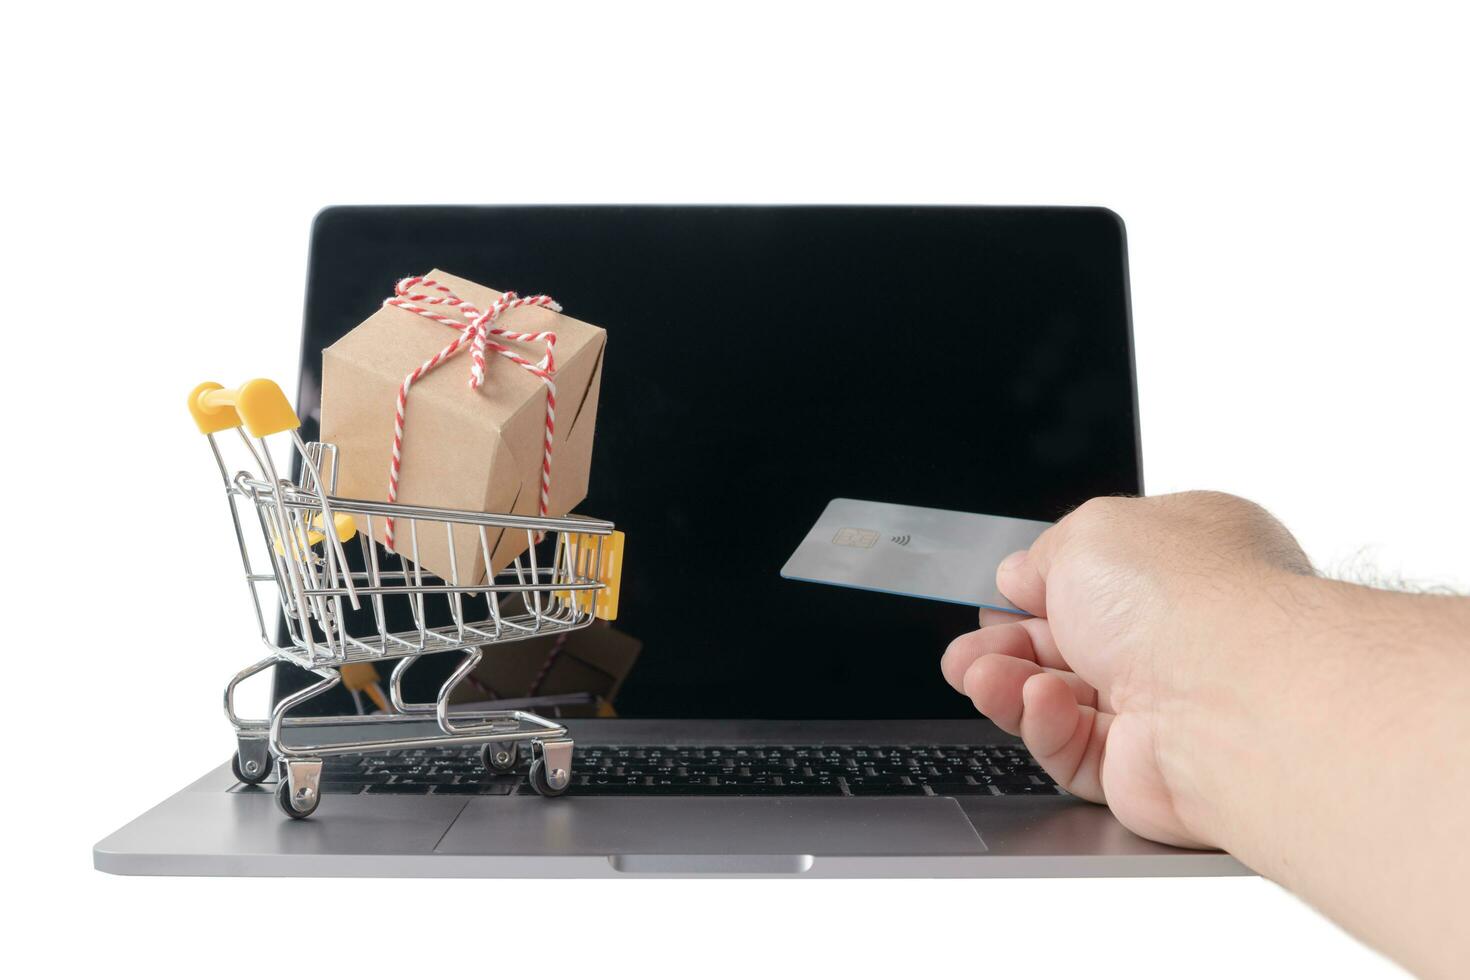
[[331, 615]]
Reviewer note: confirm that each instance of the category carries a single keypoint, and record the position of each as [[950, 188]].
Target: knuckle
[[1094, 517]]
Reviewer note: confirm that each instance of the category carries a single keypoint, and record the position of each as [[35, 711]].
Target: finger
[[1068, 739], [1044, 647], [1045, 651], [1019, 582], [1028, 643], [967, 648], [962, 651], [995, 683], [1028, 639], [1021, 577], [998, 617]]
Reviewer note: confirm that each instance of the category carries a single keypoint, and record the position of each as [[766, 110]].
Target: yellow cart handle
[[259, 405], [609, 572], [343, 524]]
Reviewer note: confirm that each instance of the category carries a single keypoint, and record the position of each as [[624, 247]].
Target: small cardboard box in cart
[[593, 662], [455, 395]]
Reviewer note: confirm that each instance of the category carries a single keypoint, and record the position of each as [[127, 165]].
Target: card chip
[[855, 537]]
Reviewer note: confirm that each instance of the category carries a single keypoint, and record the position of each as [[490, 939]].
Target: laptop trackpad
[[674, 835]]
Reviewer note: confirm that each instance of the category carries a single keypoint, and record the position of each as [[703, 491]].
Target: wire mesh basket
[[328, 594]]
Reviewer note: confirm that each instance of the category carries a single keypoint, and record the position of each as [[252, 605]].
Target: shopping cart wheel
[[239, 766], [292, 808], [540, 783], [501, 756], [300, 789]]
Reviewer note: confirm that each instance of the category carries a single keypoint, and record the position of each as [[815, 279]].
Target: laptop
[[761, 362]]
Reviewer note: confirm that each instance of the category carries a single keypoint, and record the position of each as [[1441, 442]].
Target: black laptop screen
[[760, 362]]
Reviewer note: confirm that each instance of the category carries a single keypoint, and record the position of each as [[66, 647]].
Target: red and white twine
[[419, 295]]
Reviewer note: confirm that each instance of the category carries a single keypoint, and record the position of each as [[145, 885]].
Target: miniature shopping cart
[[346, 600]]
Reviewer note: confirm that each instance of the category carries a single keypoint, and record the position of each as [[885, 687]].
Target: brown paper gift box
[[595, 661], [465, 449]]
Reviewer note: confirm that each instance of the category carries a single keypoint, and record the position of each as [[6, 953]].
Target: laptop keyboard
[[712, 770]]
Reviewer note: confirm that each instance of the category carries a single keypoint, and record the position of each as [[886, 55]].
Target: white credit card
[[944, 555]]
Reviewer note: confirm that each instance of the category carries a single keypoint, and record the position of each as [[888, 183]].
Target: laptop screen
[[760, 362]]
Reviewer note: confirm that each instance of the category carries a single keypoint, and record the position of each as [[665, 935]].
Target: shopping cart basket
[[334, 614]]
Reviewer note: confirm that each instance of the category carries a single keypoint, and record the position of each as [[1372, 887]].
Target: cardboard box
[[478, 450], [594, 660]]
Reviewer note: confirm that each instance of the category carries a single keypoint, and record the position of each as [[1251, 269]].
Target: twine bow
[[421, 296]]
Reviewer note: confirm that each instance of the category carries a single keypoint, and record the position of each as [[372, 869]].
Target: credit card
[[945, 555]]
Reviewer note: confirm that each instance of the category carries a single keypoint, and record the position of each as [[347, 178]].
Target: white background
[[1293, 179]]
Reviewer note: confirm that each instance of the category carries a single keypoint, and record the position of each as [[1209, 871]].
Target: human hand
[[1122, 657]]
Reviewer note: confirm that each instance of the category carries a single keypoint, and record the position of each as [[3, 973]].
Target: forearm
[[1325, 725]]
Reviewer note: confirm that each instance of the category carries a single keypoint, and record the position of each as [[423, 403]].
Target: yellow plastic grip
[[612, 577], [609, 572], [364, 677], [259, 405], [343, 524]]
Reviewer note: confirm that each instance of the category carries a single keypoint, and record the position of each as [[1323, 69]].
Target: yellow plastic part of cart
[[263, 409], [259, 405], [609, 573], [344, 525], [363, 678]]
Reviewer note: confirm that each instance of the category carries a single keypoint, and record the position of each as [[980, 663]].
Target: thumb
[[1021, 577], [1020, 582]]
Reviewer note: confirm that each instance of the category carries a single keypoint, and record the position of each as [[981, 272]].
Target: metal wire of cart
[[332, 615]]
